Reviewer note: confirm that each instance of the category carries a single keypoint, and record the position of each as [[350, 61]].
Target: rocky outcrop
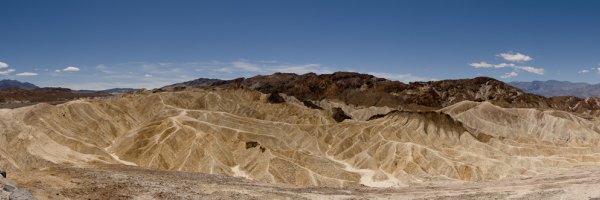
[[21, 194], [10, 191], [339, 115], [275, 98], [310, 104]]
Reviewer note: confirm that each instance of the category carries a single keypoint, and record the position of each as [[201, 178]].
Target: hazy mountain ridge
[[110, 91], [552, 88], [8, 83], [14, 93]]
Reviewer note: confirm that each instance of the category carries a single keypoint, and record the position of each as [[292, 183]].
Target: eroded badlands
[[237, 132]]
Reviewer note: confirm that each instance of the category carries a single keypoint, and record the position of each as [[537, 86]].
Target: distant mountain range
[[549, 88], [119, 90], [7, 83], [14, 94], [110, 91], [559, 88], [201, 82]]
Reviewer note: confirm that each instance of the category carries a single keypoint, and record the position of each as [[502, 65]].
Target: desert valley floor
[[126, 182]]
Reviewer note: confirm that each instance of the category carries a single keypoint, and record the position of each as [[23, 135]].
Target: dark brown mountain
[[17, 97], [367, 90]]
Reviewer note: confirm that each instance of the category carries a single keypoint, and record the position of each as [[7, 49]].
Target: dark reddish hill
[[368, 90], [17, 97]]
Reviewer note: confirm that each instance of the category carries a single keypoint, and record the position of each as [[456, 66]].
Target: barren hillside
[[319, 140], [238, 132]]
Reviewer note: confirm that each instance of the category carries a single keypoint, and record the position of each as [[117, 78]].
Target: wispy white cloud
[[588, 70], [509, 75], [268, 61], [503, 65], [515, 57], [70, 69], [301, 69], [293, 68], [535, 70], [583, 71], [148, 75], [481, 65], [246, 66], [400, 77], [223, 70], [3, 65], [27, 74], [7, 72], [538, 71], [489, 65], [512, 57], [104, 69]]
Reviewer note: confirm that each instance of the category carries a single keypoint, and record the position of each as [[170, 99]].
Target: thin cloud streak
[[7, 72], [511, 57], [70, 69], [3, 65], [27, 74], [509, 75], [515, 57]]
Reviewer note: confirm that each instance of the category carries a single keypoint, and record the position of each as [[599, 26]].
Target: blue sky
[[105, 44]]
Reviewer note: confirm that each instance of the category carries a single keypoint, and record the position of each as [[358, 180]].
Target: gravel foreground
[[125, 182]]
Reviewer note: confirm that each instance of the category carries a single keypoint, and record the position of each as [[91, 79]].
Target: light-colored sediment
[[237, 133]]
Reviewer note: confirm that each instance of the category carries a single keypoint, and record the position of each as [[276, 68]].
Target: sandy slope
[[238, 133]]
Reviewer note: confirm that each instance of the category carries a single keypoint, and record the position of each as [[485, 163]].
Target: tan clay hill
[[276, 138]]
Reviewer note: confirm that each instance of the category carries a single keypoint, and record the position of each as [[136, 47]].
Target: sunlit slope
[[238, 133]]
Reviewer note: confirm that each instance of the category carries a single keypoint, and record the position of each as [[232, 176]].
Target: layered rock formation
[[367, 90], [297, 140]]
